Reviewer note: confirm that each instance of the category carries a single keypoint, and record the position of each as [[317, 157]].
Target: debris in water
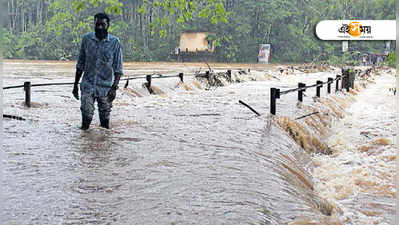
[[301, 117], [249, 107], [13, 117]]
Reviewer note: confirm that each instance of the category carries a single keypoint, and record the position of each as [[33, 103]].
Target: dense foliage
[[150, 29], [391, 59]]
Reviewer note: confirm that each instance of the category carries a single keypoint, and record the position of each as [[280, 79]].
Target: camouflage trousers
[[87, 107]]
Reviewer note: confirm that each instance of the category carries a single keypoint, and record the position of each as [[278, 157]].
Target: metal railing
[[28, 85], [347, 81]]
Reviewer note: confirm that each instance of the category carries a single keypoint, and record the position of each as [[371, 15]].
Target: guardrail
[[27, 85], [275, 93], [347, 81]]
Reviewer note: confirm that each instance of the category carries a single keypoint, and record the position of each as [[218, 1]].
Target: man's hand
[[75, 91], [112, 94]]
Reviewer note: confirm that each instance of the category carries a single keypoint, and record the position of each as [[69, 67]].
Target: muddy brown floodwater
[[191, 154]]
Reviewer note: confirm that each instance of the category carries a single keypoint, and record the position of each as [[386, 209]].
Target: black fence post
[[27, 87], [127, 82], [318, 87], [274, 94], [344, 79], [229, 75], [181, 77], [300, 92], [330, 80], [148, 78], [347, 77], [207, 74], [342, 82], [337, 83]]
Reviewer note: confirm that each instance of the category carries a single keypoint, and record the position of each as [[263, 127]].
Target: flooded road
[[184, 156]]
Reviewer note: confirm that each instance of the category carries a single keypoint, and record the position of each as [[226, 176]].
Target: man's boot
[[104, 123], [85, 123]]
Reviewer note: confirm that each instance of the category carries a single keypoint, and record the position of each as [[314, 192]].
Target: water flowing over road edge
[[360, 174], [183, 155]]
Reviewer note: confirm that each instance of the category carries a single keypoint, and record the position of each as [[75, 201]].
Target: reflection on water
[[187, 157]]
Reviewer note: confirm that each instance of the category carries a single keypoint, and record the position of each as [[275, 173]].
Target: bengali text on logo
[[356, 30]]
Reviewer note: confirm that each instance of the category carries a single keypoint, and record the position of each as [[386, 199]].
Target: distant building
[[194, 47]]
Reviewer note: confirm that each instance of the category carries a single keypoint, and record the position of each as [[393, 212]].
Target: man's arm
[[117, 66], [75, 91], [79, 69], [78, 75], [117, 77]]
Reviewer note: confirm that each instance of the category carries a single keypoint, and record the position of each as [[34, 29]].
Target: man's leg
[[104, 110], [87, 109]]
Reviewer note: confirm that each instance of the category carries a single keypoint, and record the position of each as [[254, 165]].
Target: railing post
[[337, 83], [229, 75], [344, 79], [181, 77], [274, 94], [330, 80], [318, 87], [127, 82], [346, 82], [300, 92], [148, 78], [27, 87], [342, 82]]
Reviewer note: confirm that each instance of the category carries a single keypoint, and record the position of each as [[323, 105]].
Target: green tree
[[150, 29]]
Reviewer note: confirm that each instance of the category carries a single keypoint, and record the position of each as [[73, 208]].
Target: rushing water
[[184, 156], [360, 174]]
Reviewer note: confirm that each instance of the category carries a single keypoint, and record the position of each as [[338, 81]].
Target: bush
[[391, 59]]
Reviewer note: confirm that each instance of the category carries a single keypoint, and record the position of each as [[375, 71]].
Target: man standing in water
[[100, 58]]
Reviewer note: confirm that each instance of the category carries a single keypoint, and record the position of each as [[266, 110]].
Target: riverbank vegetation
[[149, 29]]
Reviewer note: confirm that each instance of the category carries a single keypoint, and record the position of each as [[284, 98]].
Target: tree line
[[150, 29]]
